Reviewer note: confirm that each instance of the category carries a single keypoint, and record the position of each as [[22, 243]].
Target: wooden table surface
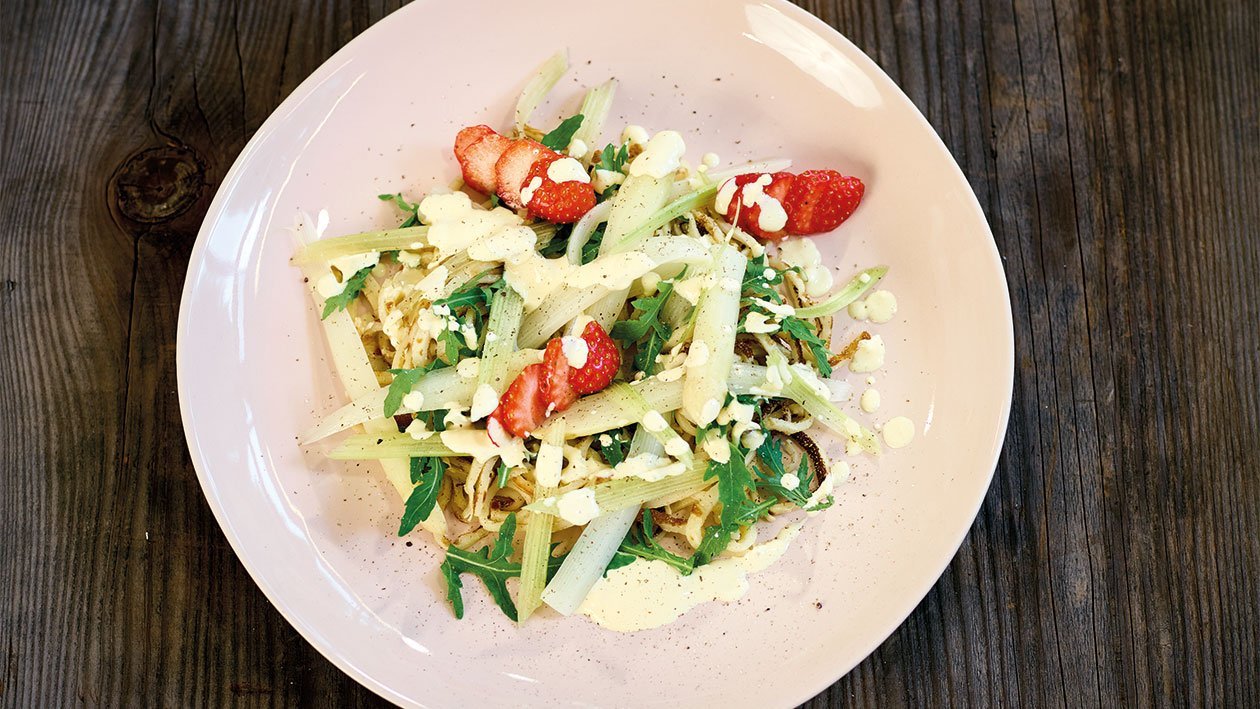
[[1114, 147]]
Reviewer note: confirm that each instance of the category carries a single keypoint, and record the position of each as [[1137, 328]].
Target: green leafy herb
[[770, 455], [452, 343], [614, 160], [590, 250], [804, 332], [474, 292], [435, 419], [469, 302], [734, 482], [559, 138], [620, 559], [757, 285], [642, 543], [610, 158], [558, 244], [490, 564], [504, 472], [426, 476], [712, 543], [404, 381], [413, 218], [645, 329], [353, 286], [615, 451], [494, 201]]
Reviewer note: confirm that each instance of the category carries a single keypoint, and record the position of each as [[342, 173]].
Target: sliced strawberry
[[747, 213], [513, 167], [523, 407], [479, 159], [560, 395], [603, 359], [820, 200], [558, 202], [466, 137]]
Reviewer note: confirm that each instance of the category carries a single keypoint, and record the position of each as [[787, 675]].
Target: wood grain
[[1115, 148]]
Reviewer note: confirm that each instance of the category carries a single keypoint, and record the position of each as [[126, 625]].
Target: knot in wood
[[159, 184]]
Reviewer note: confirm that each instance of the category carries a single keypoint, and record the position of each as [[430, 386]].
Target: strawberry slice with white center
[[523, 407], [478, 157], [559, 393], [466, 137], [552, 385], [771, 207], [757, 203], [513, 167]]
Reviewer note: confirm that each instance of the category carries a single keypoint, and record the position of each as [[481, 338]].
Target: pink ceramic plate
[[744, 80]]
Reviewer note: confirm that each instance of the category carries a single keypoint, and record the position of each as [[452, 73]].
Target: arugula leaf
[[712, 543], [646, 328], [353, 286], [503, 473], [473, 298], [413, 218], [472, 292], [435, 419], [620, 558], [426, 475], [614, 160], [734, 481], [803, 331], [494, 201], [491, 565], [770, 454], [590, 250], [404, 381], [610, 158], [641, 542], [554, 562], [756, 285], [451, 341], [559, 138], [559, 242], [615, 451]]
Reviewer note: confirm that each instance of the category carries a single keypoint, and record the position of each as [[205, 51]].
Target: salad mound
[[580, 359]]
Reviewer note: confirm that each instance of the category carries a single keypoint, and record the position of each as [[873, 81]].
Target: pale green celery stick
[[504, 323], [594, 110], [628, 398], [534, 555], [634, 492], [717, 317], [386, 445], [586, 563], [540, 84], [583, 229], [660, 218], [842, 298], [384, 240], [563, 305], [608, 410]]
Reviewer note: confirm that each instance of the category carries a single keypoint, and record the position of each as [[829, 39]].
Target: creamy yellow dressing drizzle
[[649, 594]]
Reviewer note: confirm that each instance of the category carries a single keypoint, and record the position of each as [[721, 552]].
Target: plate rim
[[304, 88]]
